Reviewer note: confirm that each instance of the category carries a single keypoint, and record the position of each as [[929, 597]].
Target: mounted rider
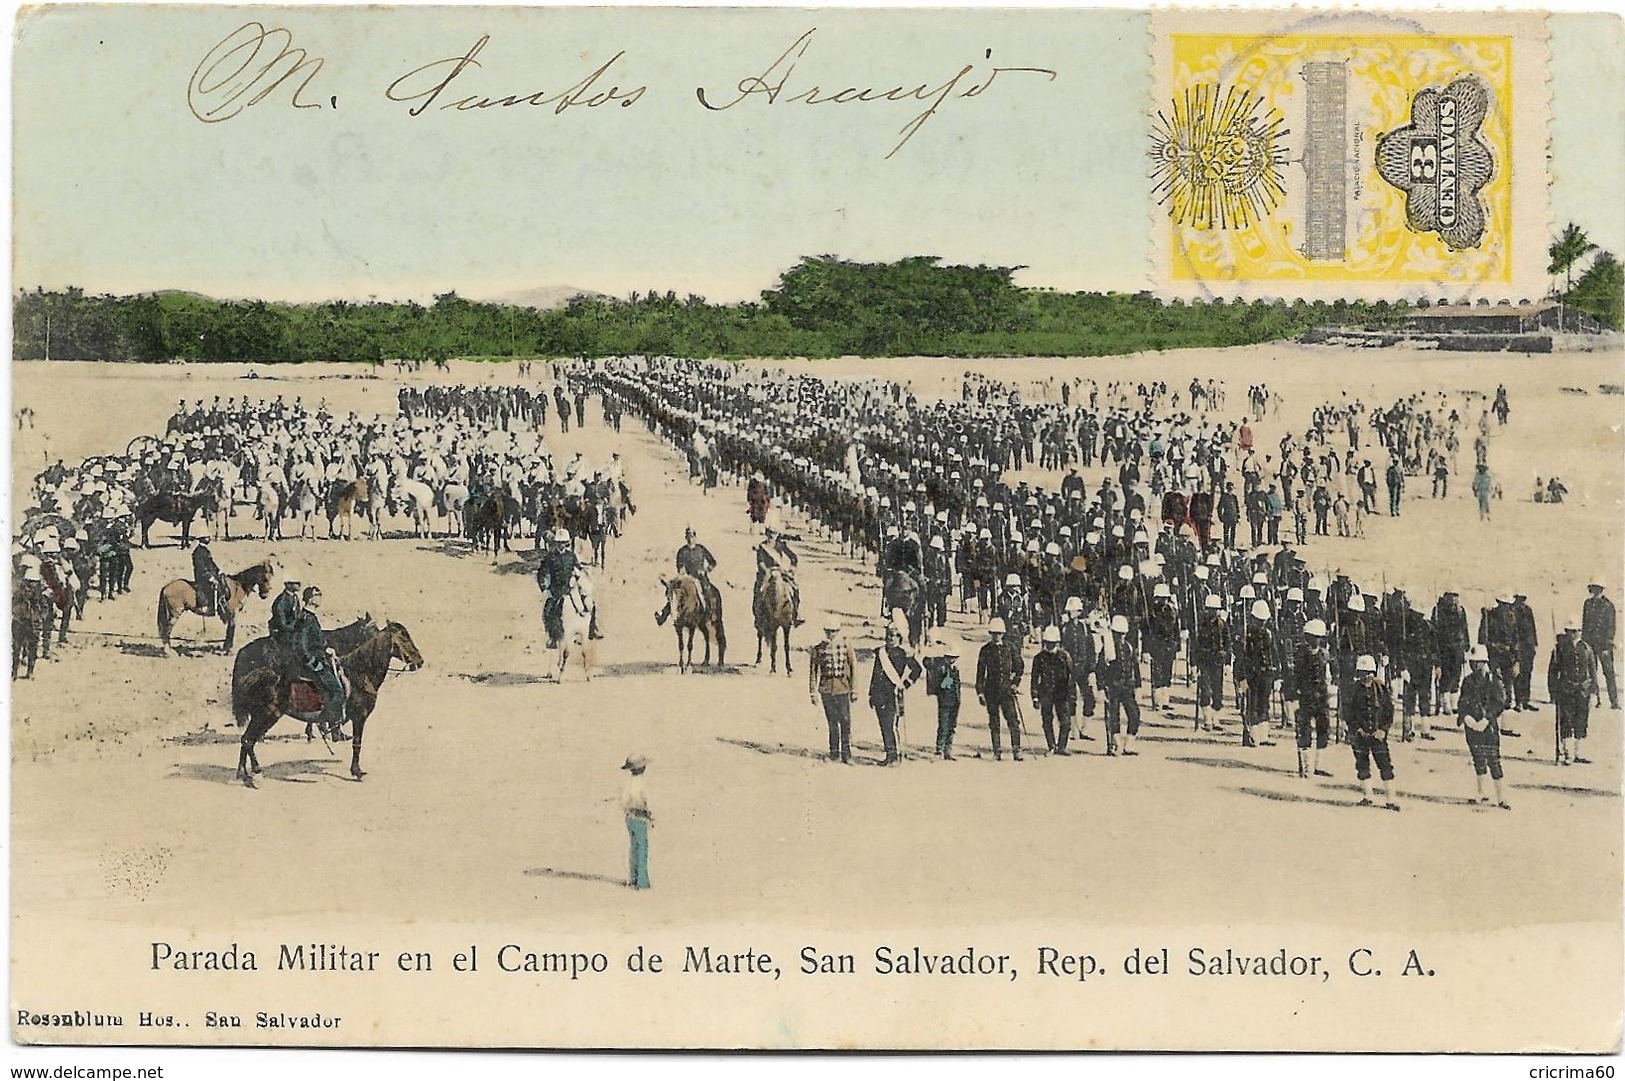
[[695, 560], [773, 553], [321, 663], [206, 578], [553, 577], [285, 612]]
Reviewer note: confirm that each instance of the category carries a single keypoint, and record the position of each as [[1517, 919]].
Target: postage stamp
[[1363, 155]]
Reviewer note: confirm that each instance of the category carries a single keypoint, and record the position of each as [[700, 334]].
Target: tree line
[[824, 306]]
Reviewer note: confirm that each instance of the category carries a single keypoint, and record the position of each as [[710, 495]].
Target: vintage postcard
[[816, 529]]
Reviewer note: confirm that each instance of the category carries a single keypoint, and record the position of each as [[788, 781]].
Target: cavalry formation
[[975, 515]]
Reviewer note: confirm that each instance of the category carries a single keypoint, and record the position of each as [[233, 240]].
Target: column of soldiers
[[1115, 584]]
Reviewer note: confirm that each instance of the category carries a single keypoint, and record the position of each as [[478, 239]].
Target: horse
[[417, 500], [270, 504], [774, 610], [342, 497], [264, 695], [267, 652], [683, 593], [903, 591], [487, 521], [180, 596], [576, 616], [176, 508], [600, 527], [304, 506], [453, 504]]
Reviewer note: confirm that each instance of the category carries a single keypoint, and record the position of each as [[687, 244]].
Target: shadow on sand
[[293, 771], [579, 876]]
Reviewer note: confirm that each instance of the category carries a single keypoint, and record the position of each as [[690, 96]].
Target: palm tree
[[1566, 251]]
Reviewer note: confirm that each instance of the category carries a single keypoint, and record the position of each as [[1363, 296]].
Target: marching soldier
[[1498, 634], [1119, 675], [1255, 673], [1079, 642], [1571, 679], [1451, 643], [1525, 641], [1597, 631], [1478, 709], [1312, 672], [1369, 714], [944, 682], [1054, 695], [1418, 654], [1162, 642], [1211, 650], [998, 675]]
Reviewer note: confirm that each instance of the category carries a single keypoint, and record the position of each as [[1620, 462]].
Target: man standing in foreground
[[639, 820], [1570, 680], [831, 677], [1370, 714], [998, 675], [894, 672], [1479, 708]]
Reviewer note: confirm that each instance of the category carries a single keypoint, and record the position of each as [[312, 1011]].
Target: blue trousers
[[637, 832]]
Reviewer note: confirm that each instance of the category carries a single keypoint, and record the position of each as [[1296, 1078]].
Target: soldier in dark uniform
[[1211, 649], [1571, 679], [1451, 643], [998, 677], [1597, 631], [1054, 695], [206, 578], [894, 672], [1079, 643], [1119, 675], [1229, 513], [938, 581], [310, 646], [945, 683], [1415, 662], [1497, 633], [695, 560], [1255, 673], [553, 577], [1201, 513], [284, 614], [1312, 674], [1525, 641], [1369, 714], [1478, 709], [1162, 636]]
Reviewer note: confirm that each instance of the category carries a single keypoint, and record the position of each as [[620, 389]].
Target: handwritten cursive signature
[[770, 84], [244, 68], [426, 83]]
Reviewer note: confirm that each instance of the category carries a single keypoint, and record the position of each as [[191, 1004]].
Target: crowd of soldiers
[[1125, 579], [447, 450]]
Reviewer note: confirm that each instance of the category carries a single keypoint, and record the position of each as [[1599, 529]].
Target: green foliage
[[1569, 248], [821, 307], [1600, 292]]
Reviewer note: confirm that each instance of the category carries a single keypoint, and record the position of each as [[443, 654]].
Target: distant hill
[[541, 297]]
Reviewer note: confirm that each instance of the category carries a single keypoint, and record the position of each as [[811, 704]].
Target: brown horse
[[903, 591], [683, 594], [342, 498], [775, 613], [176, 508], [180, 597], [265, 695]]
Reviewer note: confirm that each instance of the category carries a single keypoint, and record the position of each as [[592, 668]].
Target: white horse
[[305, 504], [577, 618], [453, 501], [417, 501]]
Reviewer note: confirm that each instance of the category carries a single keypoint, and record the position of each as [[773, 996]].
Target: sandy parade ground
[[488, 815]]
